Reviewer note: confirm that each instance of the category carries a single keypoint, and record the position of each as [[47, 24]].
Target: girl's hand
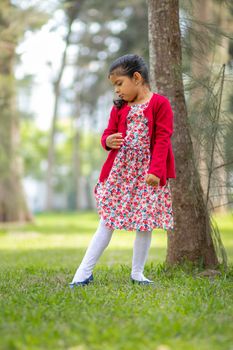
[[114, 140], [152, 180]]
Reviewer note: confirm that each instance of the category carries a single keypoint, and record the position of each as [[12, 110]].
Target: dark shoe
[[141, 282], [83, 283]]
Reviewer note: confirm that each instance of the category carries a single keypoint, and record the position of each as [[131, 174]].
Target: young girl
[[133, 192]]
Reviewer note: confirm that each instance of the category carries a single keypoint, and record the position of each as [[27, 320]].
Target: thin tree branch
[[222, 165], [217, 115], [222, 205]]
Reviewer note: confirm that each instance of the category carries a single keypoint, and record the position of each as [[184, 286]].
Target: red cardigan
[[160, 121]]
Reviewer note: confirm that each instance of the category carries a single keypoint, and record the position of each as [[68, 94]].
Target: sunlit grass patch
[[181, 311]]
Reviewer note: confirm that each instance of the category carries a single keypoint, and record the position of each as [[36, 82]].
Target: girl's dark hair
[[128, 65]]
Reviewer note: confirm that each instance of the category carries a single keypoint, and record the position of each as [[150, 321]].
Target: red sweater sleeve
[[163, 132], [112, 128]]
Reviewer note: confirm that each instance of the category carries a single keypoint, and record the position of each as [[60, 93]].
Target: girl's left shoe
[[147, 281], [83, 283]]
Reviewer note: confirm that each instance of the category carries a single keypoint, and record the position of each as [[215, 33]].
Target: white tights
[[100, 241]]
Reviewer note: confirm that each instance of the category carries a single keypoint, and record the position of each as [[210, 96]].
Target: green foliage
[[34, 148], [108, 31], [15, 20], [103, 24], [34, 151], [38, 310], [229, 145]]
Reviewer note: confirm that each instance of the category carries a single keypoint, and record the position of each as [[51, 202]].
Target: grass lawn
[[39, 311]]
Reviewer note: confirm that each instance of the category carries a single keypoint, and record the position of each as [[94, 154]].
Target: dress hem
[[136, 229]]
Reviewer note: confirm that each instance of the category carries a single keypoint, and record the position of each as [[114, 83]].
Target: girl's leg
[[99, 242], [140, 252]]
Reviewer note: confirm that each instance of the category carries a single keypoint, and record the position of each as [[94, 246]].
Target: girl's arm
[[163, 132], [112, 128]]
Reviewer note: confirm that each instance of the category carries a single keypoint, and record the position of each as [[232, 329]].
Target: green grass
[[39, 311]]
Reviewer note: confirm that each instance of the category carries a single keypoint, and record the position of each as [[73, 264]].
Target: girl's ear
[[137, 77]]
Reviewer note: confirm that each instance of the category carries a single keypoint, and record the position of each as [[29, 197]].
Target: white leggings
[[100, 241]]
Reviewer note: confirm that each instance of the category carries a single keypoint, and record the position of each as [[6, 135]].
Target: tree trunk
[[51, 150], [13, 205], [191, 238], [72, 8]]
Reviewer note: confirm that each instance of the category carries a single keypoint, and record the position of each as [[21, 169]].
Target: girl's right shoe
[[82, 283]]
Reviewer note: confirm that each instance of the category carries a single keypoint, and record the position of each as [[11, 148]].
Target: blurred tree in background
[[93, 35], [209, 32], [71, 9], [104, 34], [13, 23]]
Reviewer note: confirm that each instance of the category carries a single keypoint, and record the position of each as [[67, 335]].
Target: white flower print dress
[[124, 199]]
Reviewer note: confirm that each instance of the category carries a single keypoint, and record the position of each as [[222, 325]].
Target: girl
[[133, 191]]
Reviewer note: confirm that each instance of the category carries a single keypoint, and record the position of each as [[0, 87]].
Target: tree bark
[[13, 206], [191, 238]]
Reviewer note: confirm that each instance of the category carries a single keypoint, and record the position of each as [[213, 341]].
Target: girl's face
[[126, 88]]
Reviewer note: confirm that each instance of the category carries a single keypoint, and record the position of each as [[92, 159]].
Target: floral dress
[[124, 199]]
